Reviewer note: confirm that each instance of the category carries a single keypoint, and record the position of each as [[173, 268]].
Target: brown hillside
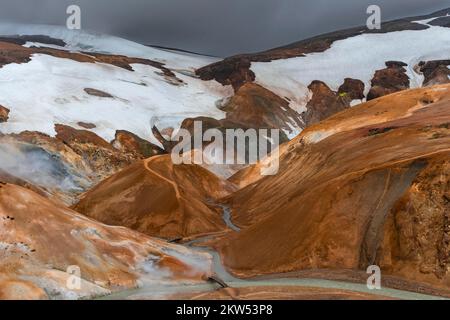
[[368, 185], [158, 198]]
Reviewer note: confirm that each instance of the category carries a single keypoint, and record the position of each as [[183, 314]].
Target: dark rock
[[21, 40], [167, 144], [100, 155], [252, 107], [43, 39], [233, 71], [389, 80], [377, 131], [98, 93], [395, 64], [441, 22], [87, 125]]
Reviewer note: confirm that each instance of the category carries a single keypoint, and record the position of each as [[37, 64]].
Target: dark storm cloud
[[218, 27]]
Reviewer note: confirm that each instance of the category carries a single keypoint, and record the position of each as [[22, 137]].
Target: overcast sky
[[216, 27]]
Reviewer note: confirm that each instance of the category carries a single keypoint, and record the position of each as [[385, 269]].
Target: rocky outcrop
[[435, 72], [45, 163], [389, 80], [416, 236], [346, 197], [98, 93], [43, 243], [128, 142], [352, 89], [4, 114], [159, 198], [100, 155], [12, 51], [325, 102], [235, 70]]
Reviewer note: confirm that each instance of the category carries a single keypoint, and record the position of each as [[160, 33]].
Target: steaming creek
[[157, 291]]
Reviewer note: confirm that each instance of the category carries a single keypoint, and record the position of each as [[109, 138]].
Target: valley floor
[[308, 284]]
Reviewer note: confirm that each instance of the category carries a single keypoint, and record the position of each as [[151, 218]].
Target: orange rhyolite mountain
[[159, 198]]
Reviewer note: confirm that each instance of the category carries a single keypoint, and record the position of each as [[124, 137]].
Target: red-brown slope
[[341, 182], [158, 198], [435, 72]]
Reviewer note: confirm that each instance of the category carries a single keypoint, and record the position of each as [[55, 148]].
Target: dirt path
[[147, 166]]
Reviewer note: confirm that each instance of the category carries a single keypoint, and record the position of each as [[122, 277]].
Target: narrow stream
[[227, 218], [163, 291]]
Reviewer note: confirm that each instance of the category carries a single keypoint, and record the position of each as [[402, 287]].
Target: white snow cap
[[50, 90]]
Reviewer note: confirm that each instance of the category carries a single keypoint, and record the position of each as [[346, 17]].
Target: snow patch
[[317, 136], [357, 57], [80, 40], [50, 90]]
